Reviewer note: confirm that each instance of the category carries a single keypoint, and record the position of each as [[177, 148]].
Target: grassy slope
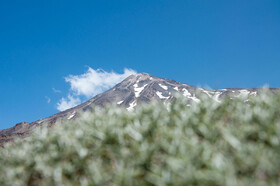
[[231, 143]]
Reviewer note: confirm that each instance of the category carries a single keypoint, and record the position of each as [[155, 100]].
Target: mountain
[[138, 88]]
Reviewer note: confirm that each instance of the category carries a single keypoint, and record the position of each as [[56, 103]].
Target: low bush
[[209, 143]]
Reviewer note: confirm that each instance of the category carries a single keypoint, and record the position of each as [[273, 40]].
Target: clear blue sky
[[216, 43]]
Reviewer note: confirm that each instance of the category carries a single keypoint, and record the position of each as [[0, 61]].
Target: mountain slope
[[139, 88]]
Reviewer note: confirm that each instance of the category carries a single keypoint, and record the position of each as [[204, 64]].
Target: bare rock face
[[136, 89]]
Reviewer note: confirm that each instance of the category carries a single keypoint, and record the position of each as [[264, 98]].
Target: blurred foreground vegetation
[[210, 143]]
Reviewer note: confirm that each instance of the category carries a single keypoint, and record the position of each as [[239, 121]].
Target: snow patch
[[187, 94], [209, 93], [159, 94], [72, 115], [138, 90], [176, 88], [120, 102], [216, 96], [243, 93], [163, 86], [253, 93], [132, 105]]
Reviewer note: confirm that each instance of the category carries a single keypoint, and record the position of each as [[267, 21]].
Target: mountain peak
[[134, 90], [142, 74], [139, 76]]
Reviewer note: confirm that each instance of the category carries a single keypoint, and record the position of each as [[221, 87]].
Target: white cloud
[[56, 90], [48, 99], [70, 102], [94, 82], [89, 84]]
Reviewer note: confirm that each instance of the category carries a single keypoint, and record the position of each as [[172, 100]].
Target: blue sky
[[216, 43]]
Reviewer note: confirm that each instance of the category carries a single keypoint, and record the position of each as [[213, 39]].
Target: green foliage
[[210, 143]]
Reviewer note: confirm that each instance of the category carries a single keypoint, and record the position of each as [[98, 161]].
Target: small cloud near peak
[[89, 84], [68, 103], [94, 82]]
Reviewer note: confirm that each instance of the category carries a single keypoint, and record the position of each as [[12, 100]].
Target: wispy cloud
[[70, 102], [48, 99], [94, 82], [56, 90], [89, 84]]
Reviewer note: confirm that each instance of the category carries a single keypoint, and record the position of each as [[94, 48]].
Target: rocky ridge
[[138, 88]]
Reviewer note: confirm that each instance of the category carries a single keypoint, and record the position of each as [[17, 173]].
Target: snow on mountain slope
[[136, 89]]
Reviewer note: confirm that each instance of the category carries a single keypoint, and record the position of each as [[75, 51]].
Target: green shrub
[[228, 143]]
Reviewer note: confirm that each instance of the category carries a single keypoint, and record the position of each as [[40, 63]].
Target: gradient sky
[[216, 43]]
